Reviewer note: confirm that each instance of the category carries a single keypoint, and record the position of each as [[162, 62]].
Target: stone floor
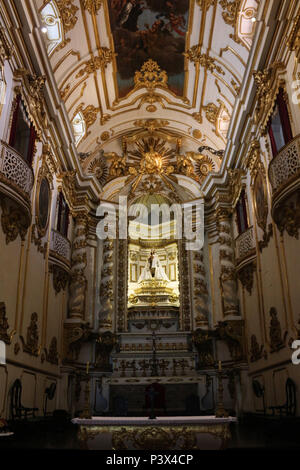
[[258, 435]]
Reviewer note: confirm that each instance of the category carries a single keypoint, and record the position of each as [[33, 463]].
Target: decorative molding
[[74, 335], [203, 341]]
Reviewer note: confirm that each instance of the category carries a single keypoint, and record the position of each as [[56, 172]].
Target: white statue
[[153, 269]]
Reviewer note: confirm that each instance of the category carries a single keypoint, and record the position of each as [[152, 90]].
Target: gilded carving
[[204, 60], [267, 84], [14, 222], [245, 275], [5, 47], [99, 62], [203, 341], [74, 335], [31, 345], [150, 76], [67, 13], [205, 4], [232, 332], [92, 6], [287, 215], [235, 183], [60, 278]]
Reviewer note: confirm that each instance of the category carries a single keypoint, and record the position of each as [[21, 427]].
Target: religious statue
[[153, 269]]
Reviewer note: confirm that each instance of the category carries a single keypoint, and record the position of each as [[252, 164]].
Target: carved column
[[228, 284], [78, 282], [200, 290], [106, 286]]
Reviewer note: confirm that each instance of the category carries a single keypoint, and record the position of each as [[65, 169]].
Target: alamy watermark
[[2, 352], [177, 221]]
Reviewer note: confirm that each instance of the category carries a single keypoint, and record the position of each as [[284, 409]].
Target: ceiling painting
[[149, 29]]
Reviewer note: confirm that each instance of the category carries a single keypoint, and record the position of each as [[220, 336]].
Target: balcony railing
[[285, 167], [60, 247], [245, 245], [15, 169]]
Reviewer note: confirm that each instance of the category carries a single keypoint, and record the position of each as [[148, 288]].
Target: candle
[[220, 366], [87, 367]]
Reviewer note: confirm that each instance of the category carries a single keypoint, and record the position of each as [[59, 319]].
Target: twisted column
[[228, 284], [106, 286], [78, 282], [200, 290]]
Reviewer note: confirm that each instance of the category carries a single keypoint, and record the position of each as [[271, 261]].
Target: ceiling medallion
[[197, 134], [194, 55], [93, 6], [150, 76], [96, 63], [211, 112], [105, 136]]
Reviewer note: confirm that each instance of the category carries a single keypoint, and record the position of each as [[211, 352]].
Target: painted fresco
[[149, 29]]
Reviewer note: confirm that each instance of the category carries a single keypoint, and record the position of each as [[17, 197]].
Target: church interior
[[109, 313]]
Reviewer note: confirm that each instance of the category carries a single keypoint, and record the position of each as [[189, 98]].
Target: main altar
[[164, 433]]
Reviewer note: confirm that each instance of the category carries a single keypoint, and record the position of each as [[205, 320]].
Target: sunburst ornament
[[204, 166], [99, 168], [151, 157]]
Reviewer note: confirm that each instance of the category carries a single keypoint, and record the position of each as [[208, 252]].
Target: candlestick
[[220, 366], [87, 367]]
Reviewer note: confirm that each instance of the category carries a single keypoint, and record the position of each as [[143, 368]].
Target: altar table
[[162, 433]]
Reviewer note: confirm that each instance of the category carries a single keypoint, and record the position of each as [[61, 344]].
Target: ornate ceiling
[[140, 76]]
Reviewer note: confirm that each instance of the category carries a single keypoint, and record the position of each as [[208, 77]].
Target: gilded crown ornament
[[150, 76]]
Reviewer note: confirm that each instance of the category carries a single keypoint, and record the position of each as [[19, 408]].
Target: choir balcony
[[284, 176], [16, 178], [245, 250], [60, 250]]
